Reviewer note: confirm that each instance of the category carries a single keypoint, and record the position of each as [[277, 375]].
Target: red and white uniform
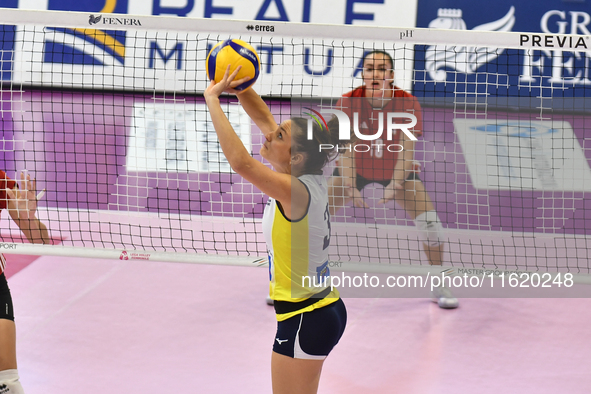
[[5, 182], [378, 164]]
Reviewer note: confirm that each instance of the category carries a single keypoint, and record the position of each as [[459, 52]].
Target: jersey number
[[377, 149]]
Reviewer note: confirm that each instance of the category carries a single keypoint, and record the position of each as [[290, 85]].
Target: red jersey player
[[381, 163], [21, 204]]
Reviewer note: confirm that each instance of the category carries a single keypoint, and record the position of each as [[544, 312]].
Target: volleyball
[[235, 53]]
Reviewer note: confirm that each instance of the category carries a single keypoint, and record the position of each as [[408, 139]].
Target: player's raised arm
[[241, 57], [275, 184], [258, 110]]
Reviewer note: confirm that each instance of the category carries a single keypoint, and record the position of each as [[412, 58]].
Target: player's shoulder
[[401, 93], [407, 99], [346, 101]]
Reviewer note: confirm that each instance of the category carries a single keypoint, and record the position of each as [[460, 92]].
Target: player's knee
[[430, 228], [9, 382]]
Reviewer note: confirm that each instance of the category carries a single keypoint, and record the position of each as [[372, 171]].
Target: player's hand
[[22, 201], [352, 192], [239, 82], [227, 84], [390, 191]]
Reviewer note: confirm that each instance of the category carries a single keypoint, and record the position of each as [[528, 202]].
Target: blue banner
[[445, 70], [6, 44]]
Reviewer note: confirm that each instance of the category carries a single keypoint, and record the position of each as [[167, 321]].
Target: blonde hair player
[[310, 320], [397, 173], [21, 204]]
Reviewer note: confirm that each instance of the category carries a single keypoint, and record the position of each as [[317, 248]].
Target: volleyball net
[[106, 112]]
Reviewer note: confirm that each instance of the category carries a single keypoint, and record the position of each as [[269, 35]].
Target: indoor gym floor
[[99, 326]]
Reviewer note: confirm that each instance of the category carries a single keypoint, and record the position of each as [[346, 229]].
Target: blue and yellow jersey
[[298, 249]]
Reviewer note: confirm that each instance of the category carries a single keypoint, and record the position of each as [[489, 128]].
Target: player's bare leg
[[418, 205], [434, 254], [295, 376], [8, 372], [7, 344]]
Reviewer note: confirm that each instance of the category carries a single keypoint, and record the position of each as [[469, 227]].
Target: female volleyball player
[[22, 205], [311, 316], [392, 169]]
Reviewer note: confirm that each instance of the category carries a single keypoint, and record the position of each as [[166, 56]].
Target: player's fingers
[[384, 200], [360, 203], [28, 185], [239, 82], [227, 73], [40, 195], [233, 75], [387, 197], [26, 182]]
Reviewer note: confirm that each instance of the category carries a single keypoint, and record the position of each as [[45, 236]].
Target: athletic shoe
[[444, 298]]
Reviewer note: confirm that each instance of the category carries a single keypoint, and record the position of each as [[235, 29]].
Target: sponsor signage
[[525, 72], [175, 61], [180, 138], [7, 44], [103, 57], [125, 255], [523, 155]]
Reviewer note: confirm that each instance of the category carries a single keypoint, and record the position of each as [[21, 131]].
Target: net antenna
[[106, 111]]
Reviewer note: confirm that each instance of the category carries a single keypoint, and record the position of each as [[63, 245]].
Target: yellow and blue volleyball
[[235, 53]]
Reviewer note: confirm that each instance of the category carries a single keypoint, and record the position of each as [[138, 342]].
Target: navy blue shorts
[[6, 311], [311, 335]]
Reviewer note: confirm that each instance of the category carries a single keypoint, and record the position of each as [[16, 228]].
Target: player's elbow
[[241, 165]]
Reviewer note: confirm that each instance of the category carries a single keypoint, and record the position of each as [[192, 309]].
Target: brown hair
[[316, 158], [379, 52]]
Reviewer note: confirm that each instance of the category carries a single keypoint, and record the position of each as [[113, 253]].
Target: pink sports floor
[[89, 326]]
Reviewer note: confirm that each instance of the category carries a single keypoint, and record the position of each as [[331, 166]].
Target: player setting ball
[[234, 53]]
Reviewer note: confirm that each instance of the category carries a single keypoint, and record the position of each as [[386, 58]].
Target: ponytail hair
[[322, 148]]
